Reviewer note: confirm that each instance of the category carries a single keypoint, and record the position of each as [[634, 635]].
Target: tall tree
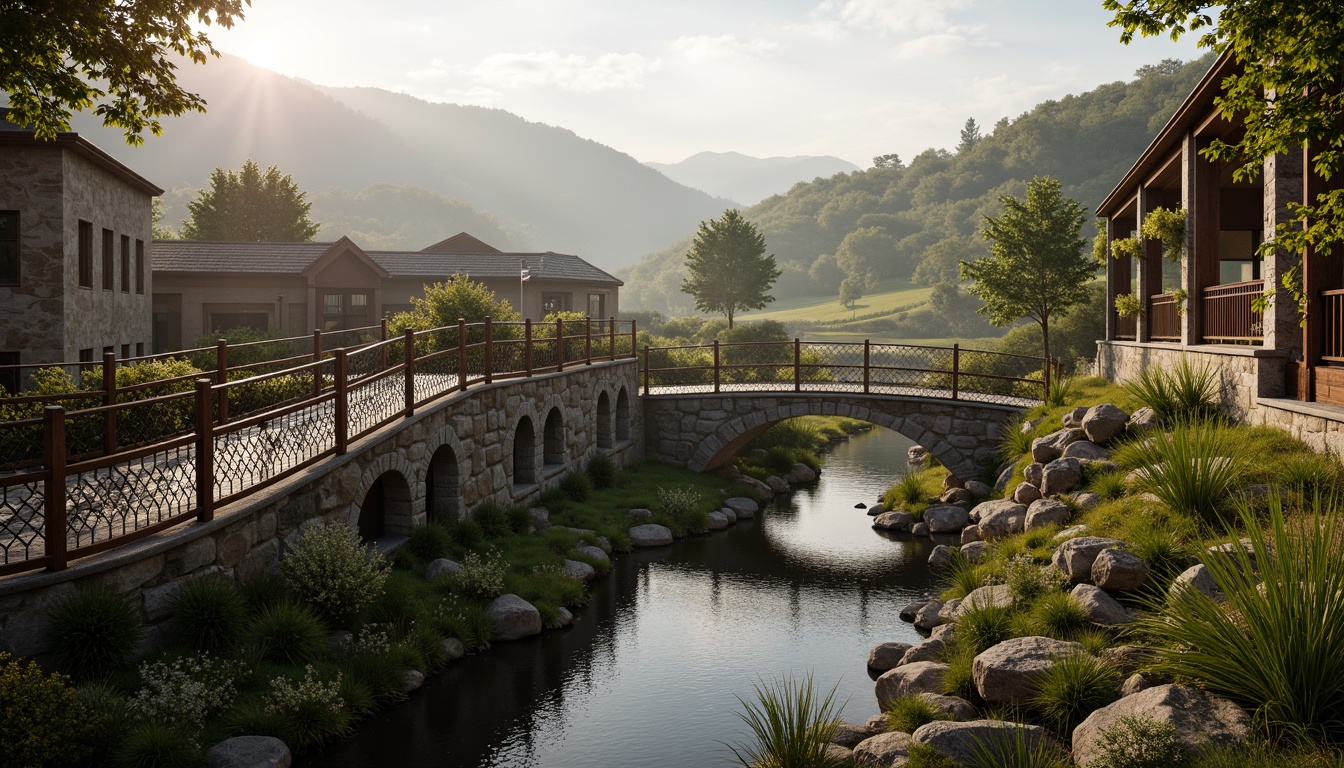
[[865, 255], [1288, 93], [728, 267], [888, 161], [65, 56], [250, 206], [970, 136], [1036, 267]]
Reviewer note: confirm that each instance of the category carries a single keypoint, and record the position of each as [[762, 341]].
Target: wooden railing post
[[342, 404], [611, 336], [489, 351], [716, 365], [559, 344], [646, 369], [410, 372], [1045, 392], [382, 336], [797, 365], [53, 488], [588, 339], [866, 363], [317, 358], [109, 398], [205, 454], [222, 377], [956, 370], [634, 350], [527, 346], [461, 354]]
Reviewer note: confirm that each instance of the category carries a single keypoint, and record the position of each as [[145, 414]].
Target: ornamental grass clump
[[289, 632], [208, 615], [1072, 689], [330, 570], [430, 541], [577, 486], [907, 713], [908, 491], [981, 627], [159, 745], [1273, 647], [1184, 393], [1015, 440], [93, 633], [1195, 469], [1056, 615], [790, 724], [602, 470], [1013, 748]]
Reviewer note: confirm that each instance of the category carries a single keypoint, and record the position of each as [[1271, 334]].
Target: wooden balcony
[[1332, 326], [1126, 328], [1228, 316], [1164, 322]]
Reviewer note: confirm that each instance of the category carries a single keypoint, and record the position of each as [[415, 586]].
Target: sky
[[664, 79]]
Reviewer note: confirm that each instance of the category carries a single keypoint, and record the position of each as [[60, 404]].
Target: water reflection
[[649, 674]]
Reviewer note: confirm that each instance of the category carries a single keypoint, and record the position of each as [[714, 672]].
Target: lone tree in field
[[1036, 266], [729, 268], [250, 206]]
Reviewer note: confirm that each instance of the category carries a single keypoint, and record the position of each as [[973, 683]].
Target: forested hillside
[[915, 220]]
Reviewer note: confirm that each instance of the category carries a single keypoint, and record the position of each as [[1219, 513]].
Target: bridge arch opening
[[553, 439], [524, 453], [622, 415], [603, 421], [443, 486], [386, 507]]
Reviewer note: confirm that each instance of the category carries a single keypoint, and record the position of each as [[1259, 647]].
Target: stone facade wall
[[248, 538], [94, 317], [1246, 373], [32, 313], [704, 431]]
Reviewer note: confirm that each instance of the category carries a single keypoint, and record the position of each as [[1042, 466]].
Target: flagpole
[[521, 270]]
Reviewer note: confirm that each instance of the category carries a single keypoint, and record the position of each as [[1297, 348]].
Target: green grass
[[1072, 689], [889, 297], [791, 724], [907, 713]]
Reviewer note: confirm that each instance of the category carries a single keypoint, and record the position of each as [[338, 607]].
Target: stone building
[[294, 288], [75, 225]]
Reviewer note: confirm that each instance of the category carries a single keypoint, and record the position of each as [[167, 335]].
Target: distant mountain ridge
[[749, 180], [464, 167]]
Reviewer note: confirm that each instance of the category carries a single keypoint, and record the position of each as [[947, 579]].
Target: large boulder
[[978, 489], [513, 618], [970, 534], [541, 518], [650, 535], [1046, 449], [894, 521], [959, 708], [941, 555], [777, 484], [1060, 476], [579, 570], [1074, 418], [1001, 520], [1032, 474], [1045, 513], [962, 741], [802, 474], [592, 553], [928, 617], [1026, 493], [975, 551], [908, 613], [1119, 571], [991, 596], [742, 506], [639, 515], [1143, 420], [249, 752], [1202, 720], [1086, 450], [946, 518], [956, 496], [931, 649], [1075, 556], [1104, 422], [1007, 672], [716, 521], [883, 750], [885, 656], [1100, 607], [441, 568], [1085, 500], [909, 679], [1199, 578], [848, 735]]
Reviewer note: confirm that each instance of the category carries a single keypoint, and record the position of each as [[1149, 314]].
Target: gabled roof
[[17, 135], [340, 248], [461, 243]]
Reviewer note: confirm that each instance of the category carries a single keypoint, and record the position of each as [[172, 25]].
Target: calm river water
[[649, 673]]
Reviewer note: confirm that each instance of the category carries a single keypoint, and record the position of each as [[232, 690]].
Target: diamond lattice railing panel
[[21, 522], [113, 501]]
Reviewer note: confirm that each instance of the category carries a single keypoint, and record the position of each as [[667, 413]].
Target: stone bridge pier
[[703, 431]]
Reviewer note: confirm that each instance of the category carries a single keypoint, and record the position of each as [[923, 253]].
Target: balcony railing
[[1228, 316], [1126, 328], [1164, 321], [1332, 323]]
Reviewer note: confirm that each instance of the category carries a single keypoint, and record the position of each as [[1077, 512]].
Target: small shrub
[[467, 622], [290, 633], [492, 519], [186, 690], [481, 577], [93, 633], [399, 603], [380, 673], [1027, 580], [467, 534], [576, 486], [679, 502], [153, 744], [329, 569], [1069, 691], [790, 726], [104, 712], [925, 756], [311, 709], [429, 542], [963, 578], [41, 721], [262, 592], [1140, 742], [520, 520], [428, 643], [907, 713], [602, 470], [208, 615]]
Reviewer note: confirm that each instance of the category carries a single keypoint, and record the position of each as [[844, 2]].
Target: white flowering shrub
[[187, 690], [482, 576], [679, 501], [333, 572], [311, 709], [371, 640]]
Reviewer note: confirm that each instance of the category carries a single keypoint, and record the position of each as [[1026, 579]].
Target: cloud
[[901, 17], [572, 72], [702, 48]]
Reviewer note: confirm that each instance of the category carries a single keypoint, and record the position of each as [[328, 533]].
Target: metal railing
[[1228, 312], [77, 483], [951, 372], [1164, 319]]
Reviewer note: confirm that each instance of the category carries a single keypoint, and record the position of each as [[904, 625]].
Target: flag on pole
[[523, 274]]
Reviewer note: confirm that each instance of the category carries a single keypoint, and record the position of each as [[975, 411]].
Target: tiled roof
[[293, 258]]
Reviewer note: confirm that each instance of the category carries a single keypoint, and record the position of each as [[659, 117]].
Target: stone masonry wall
[[1246, 373], [248, 538], [32, 313]]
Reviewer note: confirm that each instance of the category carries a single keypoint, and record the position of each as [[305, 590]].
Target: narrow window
[[140, 267], [9, 372], [109, 268], [9, 247], [125, 264], [139, 349], [125, 351], [86, 258]]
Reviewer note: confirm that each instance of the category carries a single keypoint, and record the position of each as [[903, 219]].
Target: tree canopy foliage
[[250, 206], [58, 58], [1036, 266], [1087, 141], [728, 268], [1288, 92]]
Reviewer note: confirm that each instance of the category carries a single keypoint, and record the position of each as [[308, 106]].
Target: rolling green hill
[[890, 297]]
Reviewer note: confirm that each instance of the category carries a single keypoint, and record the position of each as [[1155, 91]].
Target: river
[[650, 672]]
